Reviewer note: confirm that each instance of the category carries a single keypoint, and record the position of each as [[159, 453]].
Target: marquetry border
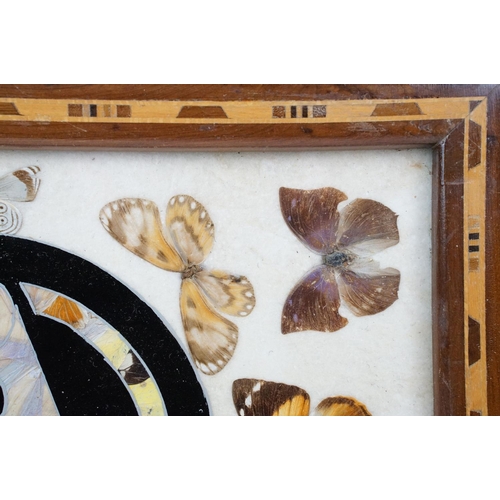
[[474, 259], [460, 123], [230, 112]]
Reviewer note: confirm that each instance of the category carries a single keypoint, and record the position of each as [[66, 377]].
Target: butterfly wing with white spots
[[211, 338], [230, 294], [136, 224], [190, 228]]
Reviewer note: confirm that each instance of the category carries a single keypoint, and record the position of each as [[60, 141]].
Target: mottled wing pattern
[[10, 218], [21, 185], [190, 228], [312, 216], [229, 294], [341, 406], [313, 304], [136, 224], [254, 397], [367, 289], [367, 227], [211, 338]]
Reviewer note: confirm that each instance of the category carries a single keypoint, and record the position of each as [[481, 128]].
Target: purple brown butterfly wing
[[366, 289], [313, 304], [367, 227], [312, 216]]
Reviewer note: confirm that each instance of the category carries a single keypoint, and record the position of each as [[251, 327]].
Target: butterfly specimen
[[20, 185], [181, 246], [259, 398], [346, 240]]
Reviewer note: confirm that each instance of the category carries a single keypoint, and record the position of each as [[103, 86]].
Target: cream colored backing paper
[[382, 360]]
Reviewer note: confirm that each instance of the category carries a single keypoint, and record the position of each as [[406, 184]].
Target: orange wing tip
[[67, 311], [342, 406]]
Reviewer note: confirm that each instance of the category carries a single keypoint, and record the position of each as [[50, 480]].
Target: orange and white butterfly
[[181, 246], [20, 185]]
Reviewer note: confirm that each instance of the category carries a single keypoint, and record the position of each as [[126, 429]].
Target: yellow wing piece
[[341, 406], [136, 224], [190, 228], [229, 294], [211, 338]]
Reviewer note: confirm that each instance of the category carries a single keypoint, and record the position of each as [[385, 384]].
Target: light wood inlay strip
[[474, 265], [238, 112]]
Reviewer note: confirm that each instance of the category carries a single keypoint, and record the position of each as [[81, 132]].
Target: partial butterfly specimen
[[181, 246], [346, 241], [260, 398], [20, 185]]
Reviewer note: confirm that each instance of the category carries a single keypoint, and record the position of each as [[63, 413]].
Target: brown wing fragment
[[367, 227], [367, 289], [259, 398], [313, 304], [312, 216], [341, 406]]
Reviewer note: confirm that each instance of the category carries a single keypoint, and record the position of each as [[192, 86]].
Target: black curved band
[[81, 381]]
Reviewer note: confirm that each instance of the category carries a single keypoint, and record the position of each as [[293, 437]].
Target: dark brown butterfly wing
[[341, 406], [259, 398], [312, 216], [366, 289], [313, 304], [367, 227]]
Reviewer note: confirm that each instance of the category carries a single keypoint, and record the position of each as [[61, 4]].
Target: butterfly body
[[181, 246], [21, 185], [338, 258]]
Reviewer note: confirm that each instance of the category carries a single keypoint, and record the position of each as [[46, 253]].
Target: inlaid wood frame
[[461, 123]]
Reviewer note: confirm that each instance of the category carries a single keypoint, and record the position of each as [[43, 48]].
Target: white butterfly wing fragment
[[136, 224], [190, 228], [20, 185]]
